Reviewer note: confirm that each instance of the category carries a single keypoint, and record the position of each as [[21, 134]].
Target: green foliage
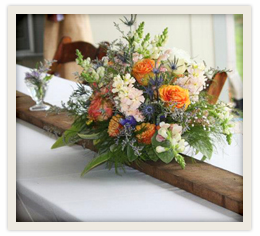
[[239, 42], [180, 160], [69, 137], [95, 162], [200, 140], [130, 154], [89, 136], [229, 138], [162, 38], [118, 158], [140, 30], [47, 78], [166, 157], [151, 153]]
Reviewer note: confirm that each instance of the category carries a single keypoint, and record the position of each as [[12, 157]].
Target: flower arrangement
[[146, 103]]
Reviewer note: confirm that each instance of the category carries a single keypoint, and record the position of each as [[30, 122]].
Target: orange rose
[[114, 126], [147, 134], [171, 94], [142, 70]]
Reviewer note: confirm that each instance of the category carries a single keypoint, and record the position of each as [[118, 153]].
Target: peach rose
[[100, 109], [171, 94], [142, 70], [146, 136], [114, 126]]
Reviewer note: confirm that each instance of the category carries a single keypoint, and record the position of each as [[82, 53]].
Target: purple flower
[[33, 74], [129, 120]]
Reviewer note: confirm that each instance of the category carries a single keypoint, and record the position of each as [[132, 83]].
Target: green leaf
[[130, 153], [47, 78], [69, 137], [152, 153], [166, 157], [95, 162], [89, 136], [113, 148], [203, 158]]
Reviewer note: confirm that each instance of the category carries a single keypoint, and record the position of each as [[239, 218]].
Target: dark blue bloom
[[124, 58], [157, 81], [129, 120], [173, 66], [98, 64], [148, 110], [149, 91], [156, 71]]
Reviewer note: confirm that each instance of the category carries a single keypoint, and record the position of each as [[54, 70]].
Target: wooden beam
[[204, 180]]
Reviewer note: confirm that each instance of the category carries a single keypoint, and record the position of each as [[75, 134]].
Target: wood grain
[[216, 86], [206, 181]]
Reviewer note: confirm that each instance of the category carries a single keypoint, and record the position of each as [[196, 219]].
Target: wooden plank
[[204, 180], [216, 86]]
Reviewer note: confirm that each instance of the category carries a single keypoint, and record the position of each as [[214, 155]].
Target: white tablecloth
[[49, 186]]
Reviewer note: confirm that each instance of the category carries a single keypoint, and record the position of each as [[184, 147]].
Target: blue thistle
[[149, 91], [156, 82], [173, 64], [156, 70], [124, 58], [148, 111]]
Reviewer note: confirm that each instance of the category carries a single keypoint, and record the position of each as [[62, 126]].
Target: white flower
[[129, 98], [128, 79], [181, 145], [160, 149], [163, 132], [101, 71], [137, 56], [118, 84], [180, 54], [164, 125], [194, 82], [176, 129]]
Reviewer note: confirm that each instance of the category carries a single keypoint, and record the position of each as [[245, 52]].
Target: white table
[[49, 186]]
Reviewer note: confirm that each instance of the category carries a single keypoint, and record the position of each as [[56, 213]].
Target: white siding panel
[[103, 28], [202, 38], [178, 27]]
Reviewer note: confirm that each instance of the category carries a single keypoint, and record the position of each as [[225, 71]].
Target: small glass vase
[[37, 92]]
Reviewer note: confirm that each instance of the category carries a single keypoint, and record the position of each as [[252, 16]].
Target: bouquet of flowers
[[144, 103]]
